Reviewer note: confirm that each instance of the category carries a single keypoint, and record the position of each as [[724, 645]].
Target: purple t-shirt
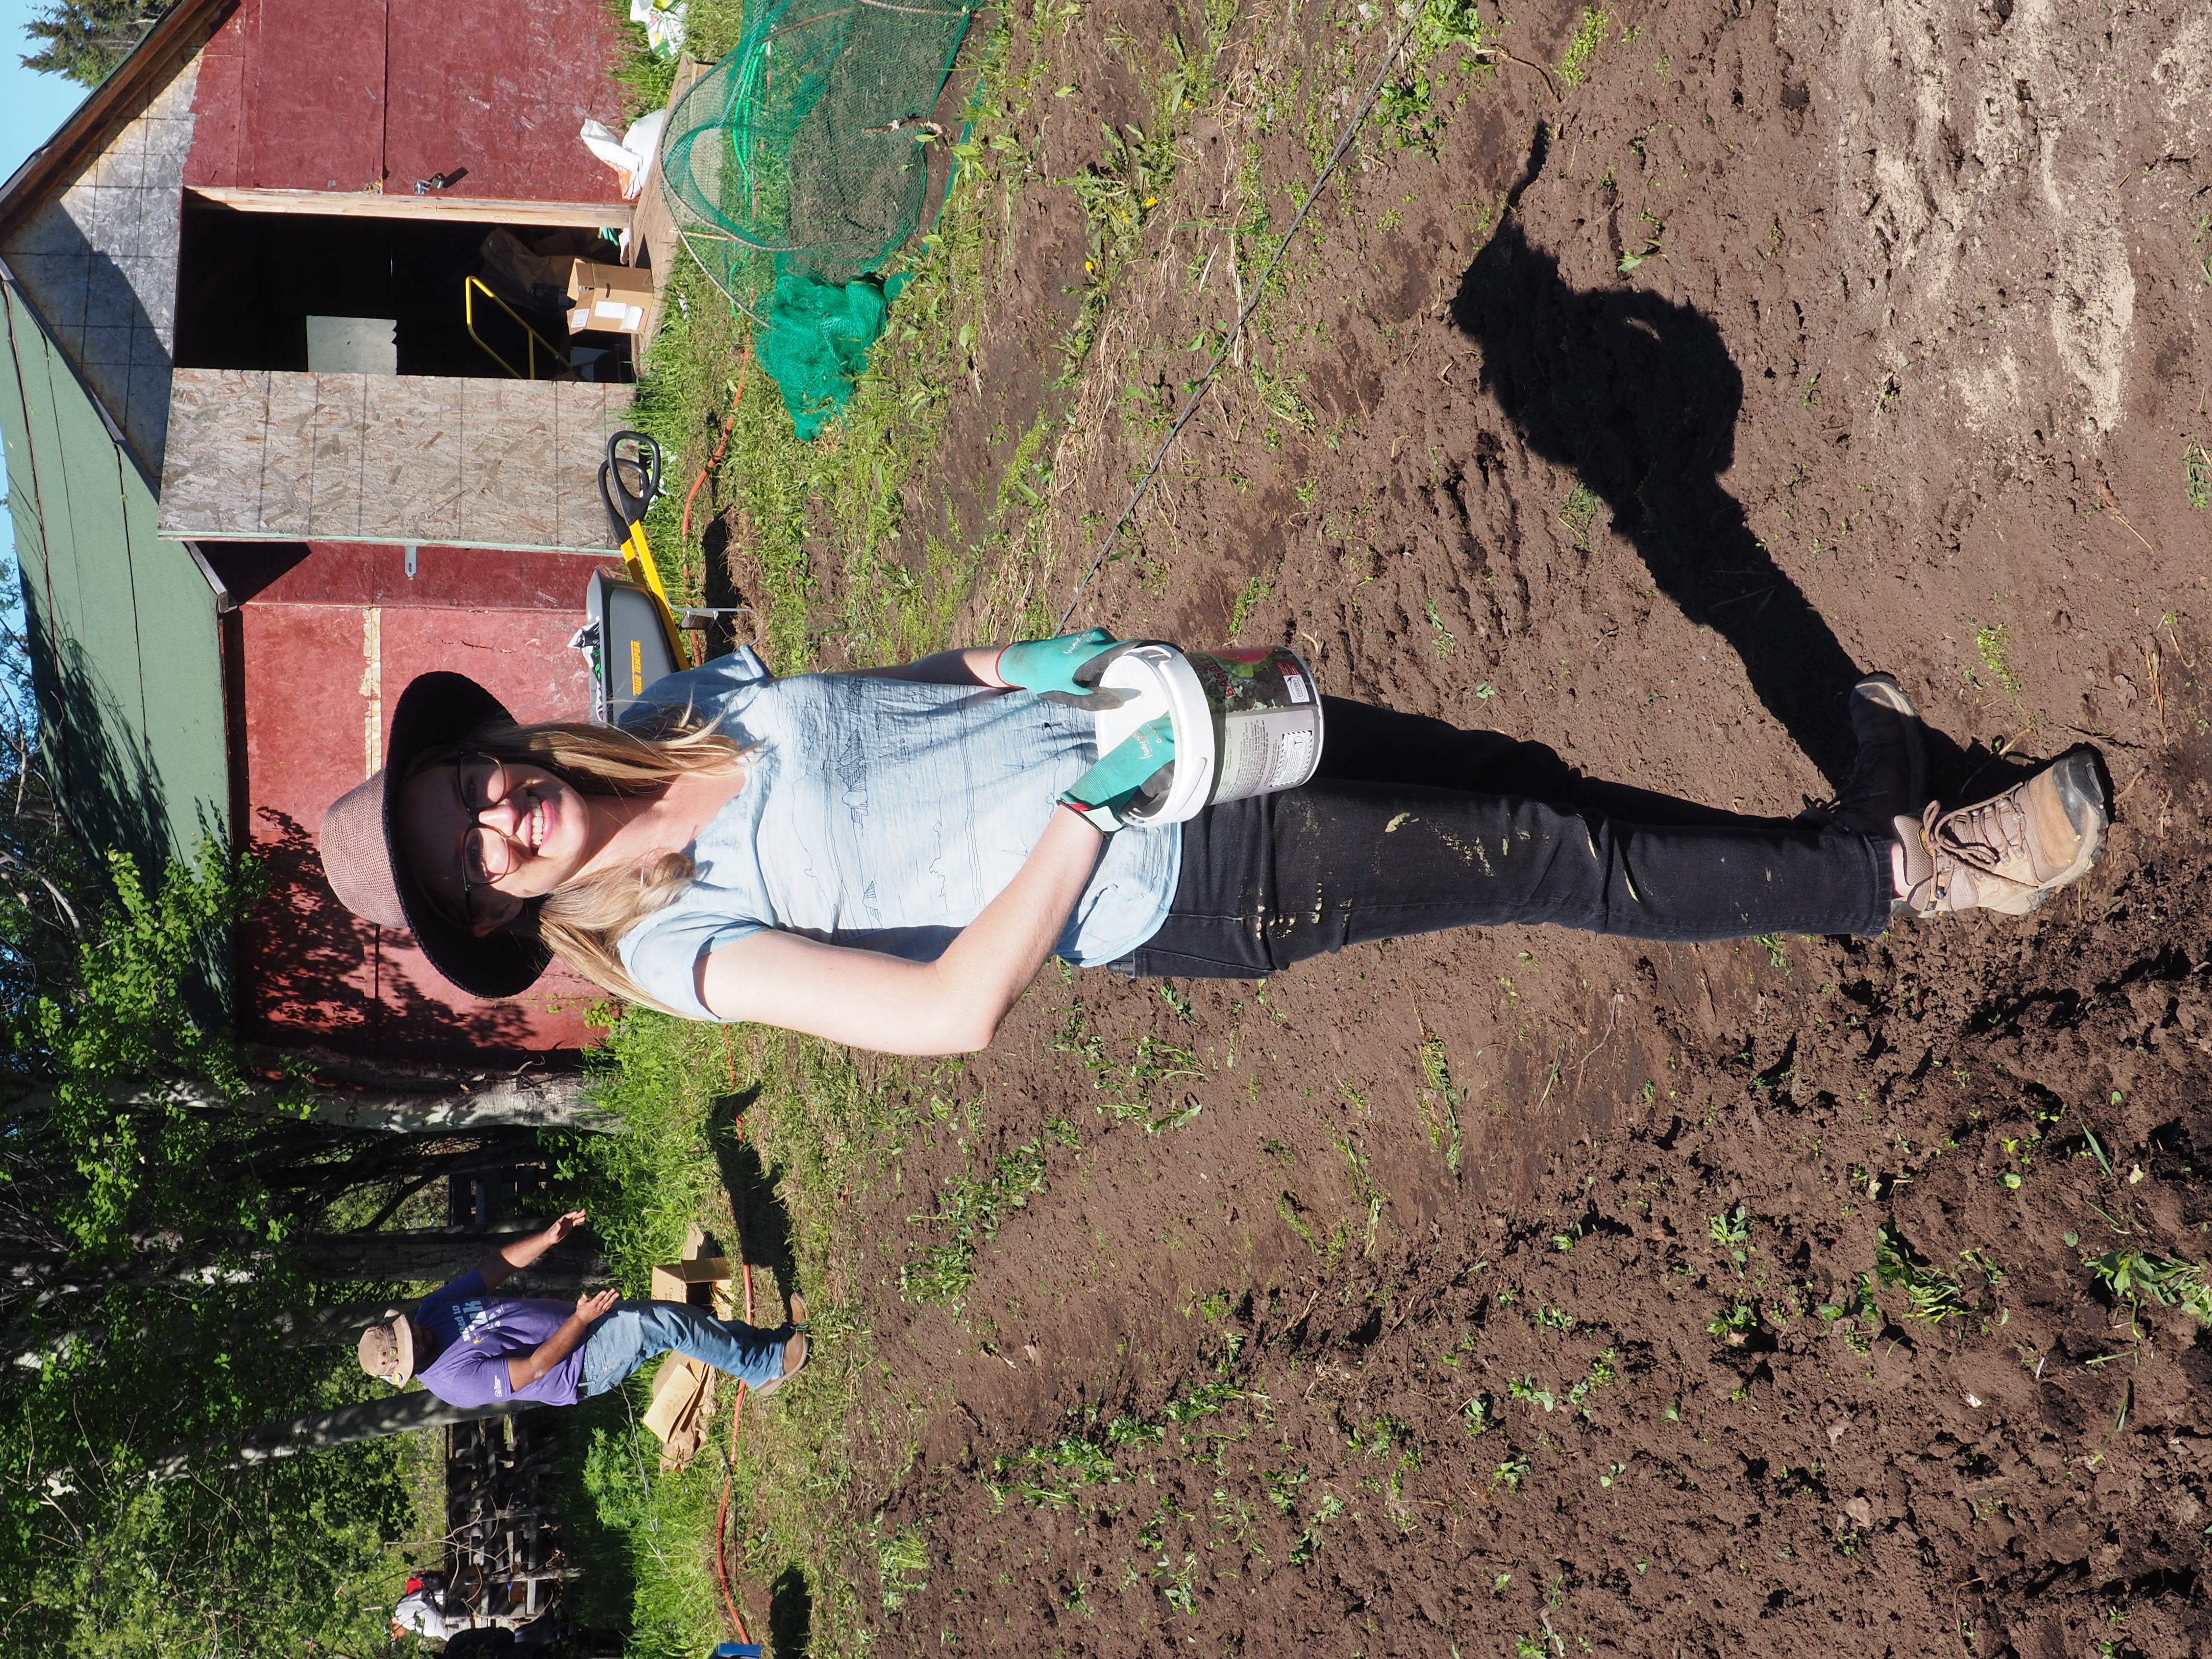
[[477, 1332]]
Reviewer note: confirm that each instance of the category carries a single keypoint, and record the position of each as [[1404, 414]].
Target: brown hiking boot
[[1889, 779], [794, 1347], [794, 1360], [2010, 853]]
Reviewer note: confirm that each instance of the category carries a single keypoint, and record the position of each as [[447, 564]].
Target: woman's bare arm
[[950, 1006], [976, 665]]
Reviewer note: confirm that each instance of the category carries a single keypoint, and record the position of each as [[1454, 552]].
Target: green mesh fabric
[[785, 156], [814, 341]]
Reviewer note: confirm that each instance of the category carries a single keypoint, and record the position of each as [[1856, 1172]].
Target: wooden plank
[[507, 433], [229, 408], [410, 474], [474, 209], [336, 437], [505, 464]]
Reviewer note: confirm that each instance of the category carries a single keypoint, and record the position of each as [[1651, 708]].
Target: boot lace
[[1984, 836]]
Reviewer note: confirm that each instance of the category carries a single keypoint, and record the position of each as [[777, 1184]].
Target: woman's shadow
[[1637, 395]]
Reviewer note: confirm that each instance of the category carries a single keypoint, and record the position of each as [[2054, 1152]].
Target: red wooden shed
[[288, 423]]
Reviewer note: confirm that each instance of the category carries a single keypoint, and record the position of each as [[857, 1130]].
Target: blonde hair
[[581, 922]]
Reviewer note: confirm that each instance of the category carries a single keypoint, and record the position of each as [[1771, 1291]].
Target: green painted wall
[[122, 625]]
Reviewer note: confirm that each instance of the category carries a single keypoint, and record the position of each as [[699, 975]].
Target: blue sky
[[31, 107]]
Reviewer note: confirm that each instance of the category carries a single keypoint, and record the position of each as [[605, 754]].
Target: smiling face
[[482, 838]]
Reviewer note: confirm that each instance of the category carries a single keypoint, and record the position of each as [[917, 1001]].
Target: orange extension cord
[[744, 1267], [722, 444]]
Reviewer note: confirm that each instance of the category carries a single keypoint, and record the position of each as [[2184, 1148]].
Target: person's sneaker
[[2010, 853], [1889, 779]]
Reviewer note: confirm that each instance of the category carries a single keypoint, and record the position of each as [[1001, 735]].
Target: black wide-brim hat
[[359, 841]]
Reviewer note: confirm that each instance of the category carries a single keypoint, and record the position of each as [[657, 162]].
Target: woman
[[880, 859]]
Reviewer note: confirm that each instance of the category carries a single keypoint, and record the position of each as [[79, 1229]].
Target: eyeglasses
[[481, 844]]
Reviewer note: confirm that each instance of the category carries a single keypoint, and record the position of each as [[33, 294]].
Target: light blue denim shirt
[[885, 814]]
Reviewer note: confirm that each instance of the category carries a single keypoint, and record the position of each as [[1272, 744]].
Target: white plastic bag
[[632, 153]]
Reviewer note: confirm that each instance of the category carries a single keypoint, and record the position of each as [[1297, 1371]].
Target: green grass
[[1254, 594], [2164, 1281], [1131, 1089], [1583, 47], [1440, 1102], [811, 1128], [1930, 1293], [971, 1209], [2196, 473], [1118, 193], [902, 1566], [1407, 109], [1993, 646], [1579, 512]]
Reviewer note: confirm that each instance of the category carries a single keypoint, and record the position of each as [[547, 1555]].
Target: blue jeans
[[617, 1342]]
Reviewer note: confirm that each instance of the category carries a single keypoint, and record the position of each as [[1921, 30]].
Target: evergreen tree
[[85, 39]]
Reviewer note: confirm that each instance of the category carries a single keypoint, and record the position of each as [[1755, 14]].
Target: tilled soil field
[[1522, 1292]]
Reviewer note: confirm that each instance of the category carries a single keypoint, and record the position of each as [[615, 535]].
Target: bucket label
[[1249, 680], [1265, 750]]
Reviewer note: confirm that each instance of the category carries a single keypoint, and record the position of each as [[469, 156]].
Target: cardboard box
[[682, 1409], [615, 299], [703, 1281]]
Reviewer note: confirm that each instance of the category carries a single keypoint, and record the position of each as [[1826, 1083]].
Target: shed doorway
[[468, 299]]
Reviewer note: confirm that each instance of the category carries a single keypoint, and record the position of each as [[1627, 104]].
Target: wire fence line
[[1198, 387]]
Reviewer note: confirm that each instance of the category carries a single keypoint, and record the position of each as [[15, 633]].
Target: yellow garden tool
[[631, 634]]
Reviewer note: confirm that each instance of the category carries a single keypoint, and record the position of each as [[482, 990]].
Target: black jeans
[[1413, 826]]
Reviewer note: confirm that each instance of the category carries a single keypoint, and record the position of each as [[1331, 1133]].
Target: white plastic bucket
[[1246, 722]]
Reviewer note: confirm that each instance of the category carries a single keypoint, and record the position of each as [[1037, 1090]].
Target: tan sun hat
[[387, 1352], [359, 841]]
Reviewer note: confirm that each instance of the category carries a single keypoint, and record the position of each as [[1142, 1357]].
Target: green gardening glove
[[1050, 665], [1109, 788]]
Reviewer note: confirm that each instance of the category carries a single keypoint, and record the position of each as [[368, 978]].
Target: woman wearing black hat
[[881, 859]]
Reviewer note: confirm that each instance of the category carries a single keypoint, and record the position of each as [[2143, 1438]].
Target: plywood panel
[[508, 431], [337, 436], [509, 108], [227, 409], [583, 417], [267, 456], [274, 496], [411, 464], [342, 95], [316, 86], [321, 682]]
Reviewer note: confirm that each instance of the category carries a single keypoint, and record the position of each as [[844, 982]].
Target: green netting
[[814, 341], [801, 150]]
